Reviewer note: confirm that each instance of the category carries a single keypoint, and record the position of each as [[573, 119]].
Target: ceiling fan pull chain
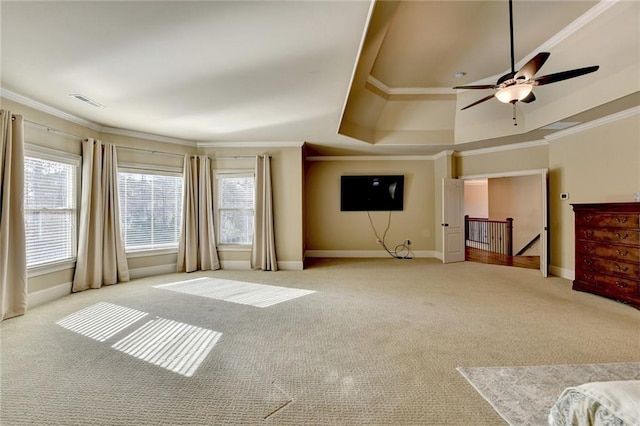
[[515, 122]]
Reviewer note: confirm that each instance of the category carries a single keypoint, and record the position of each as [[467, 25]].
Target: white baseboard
[[238, 265], [290, 265], [151, 271], [48, 294], [438, 255], [568, 274], [364, 253]]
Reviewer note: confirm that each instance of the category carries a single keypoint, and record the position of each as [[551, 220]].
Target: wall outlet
[[408, 242], [564, 196]]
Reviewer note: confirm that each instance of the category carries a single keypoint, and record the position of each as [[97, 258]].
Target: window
[[235, 208], [50, 206], [150, 209]]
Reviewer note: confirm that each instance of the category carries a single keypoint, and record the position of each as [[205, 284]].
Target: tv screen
[[371, 193]]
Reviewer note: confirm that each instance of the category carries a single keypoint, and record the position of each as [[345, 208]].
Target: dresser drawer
[[609, 251], [628, 270], [608, 284], [611, 220], [616, 236]]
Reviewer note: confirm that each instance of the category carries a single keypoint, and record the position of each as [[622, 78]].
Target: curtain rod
[[51, 129], [153, 151], [231, 157]]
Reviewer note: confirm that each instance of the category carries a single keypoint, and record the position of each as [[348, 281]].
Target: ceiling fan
[[517, 86]]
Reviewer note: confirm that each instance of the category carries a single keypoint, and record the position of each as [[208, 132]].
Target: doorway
[[519, 198]]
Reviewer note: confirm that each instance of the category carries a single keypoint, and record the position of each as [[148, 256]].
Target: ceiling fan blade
[[478, 102], [564, 75], [531, 68], [481, 86], [530, 98]]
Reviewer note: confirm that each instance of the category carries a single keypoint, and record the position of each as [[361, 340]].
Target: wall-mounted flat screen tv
[[371, 193]]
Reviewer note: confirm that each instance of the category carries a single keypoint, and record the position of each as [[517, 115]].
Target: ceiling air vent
[[561, 125], [87, 100]]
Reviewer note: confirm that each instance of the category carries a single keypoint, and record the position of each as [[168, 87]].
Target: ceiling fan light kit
[[518, 86], [512, 94]]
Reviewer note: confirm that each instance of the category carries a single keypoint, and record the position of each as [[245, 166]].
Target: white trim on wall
[[372, 158], [594, 123], [47, 295], [509, 147], [148, 136], [151, 271], [290, 265], [240, 144], [557, 271], [236, 265]]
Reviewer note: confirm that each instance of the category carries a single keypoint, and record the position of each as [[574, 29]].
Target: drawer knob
[[621, 285], [622, 237], [588, 218], [620, 269], [589, 234], [622, 252], [588, 262], [591, 248], [588, 277], [622, 220]]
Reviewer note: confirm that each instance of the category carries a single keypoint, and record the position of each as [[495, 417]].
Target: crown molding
[[389, 91], [249, 144], [148, 136], [501, 148], [444, 153], [7, 94], [595, 123], [371, 158]]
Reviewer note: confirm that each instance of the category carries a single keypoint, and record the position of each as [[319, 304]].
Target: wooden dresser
[[608, 250]]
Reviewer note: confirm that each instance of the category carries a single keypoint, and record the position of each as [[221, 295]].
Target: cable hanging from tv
[[401, 251]]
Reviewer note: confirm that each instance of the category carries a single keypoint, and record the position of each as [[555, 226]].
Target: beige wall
[[329, 229], [598, 165], [518, 197], [476, 198], [286, 171]]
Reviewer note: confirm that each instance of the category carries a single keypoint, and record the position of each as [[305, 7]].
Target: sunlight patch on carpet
[[101, 321], [258, 295], [525, 395], [175, 346]]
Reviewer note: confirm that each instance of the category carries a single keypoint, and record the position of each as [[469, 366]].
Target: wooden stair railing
[[490, 235]]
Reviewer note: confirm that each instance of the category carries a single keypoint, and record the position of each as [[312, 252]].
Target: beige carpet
[[377, 343]]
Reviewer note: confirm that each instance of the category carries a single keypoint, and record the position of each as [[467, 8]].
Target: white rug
[[258, 295], [524, 395]]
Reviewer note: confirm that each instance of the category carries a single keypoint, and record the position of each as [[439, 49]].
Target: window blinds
[[150, 209], [50, 196], [235, 208]]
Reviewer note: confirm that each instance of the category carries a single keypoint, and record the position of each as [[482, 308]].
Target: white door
[[544, 226], [452, 220]]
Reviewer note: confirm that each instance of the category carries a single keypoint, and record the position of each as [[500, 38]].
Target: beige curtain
[[13, 253], [263, 251], [101, 255], [197, 249]]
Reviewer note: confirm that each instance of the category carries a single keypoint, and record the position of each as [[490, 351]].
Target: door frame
[[544, 197]]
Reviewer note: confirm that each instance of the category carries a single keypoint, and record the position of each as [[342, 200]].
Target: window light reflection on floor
[[101, 321], [172, 345]]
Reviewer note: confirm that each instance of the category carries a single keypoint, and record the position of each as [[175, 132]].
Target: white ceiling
[[252, 71]]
